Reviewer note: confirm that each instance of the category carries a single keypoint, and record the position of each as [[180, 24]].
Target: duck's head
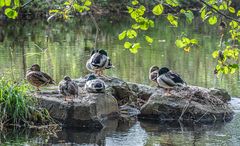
[[103, 52], [91, 77], [35, 67], [153, 68], [163, 70], [67, 78]]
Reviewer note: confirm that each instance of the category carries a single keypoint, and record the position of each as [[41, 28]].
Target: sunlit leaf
[[238, 13], [10, 13], [203, 14], [87, 3], [172, 19], [212, 20], [135, 26], [158, 9], [7, 2], [16, 3], [131, 33], [2, 3], [194, 41], [173, 3], [122, 35], [215, 54], [179, 44], [148, 39], [127, 45], [231, 9], [135, 2]]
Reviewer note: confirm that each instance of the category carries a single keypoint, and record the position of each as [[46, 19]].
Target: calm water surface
[[62, 48]]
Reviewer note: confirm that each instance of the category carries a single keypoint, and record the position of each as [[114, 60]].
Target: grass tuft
[[18, 108]]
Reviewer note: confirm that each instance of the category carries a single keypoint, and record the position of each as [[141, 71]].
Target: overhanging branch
[[219, 12]]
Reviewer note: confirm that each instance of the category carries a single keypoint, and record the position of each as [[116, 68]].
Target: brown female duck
[[37, 78]]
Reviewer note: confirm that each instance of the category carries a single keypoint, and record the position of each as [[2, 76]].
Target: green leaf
[[135, 26], [231, 9], [135, 48], [151, 23], [10, 13], [179, 44], [148, 39], [223, 6], [212, 20], [131, 33], [127, 45], [87, 3], [7, 3], [233, 24], [2, 3], [135, 2], [173, 3], [172, 19], [130, 9], [238, 13], [203, 14], [189, 15], [122, 35], [215, 54], [194, 41], [16, 3], [158, 9]]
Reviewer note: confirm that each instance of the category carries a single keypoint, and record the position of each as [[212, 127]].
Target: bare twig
[[97, 29], [219, 12]]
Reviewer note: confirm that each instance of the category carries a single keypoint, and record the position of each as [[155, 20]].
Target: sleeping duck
[[98, 62], [37, 78], [68, 87], [153, 73], [94, 85], [168, 79]]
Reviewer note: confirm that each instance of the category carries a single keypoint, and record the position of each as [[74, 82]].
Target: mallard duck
[[168, 79], [68, 87], [94, 85], [37, 78], [153, 73], [98, 62]]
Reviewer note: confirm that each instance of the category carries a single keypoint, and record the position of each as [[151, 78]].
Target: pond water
[[62, 48]]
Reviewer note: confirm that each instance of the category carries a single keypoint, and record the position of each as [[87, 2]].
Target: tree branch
[[97, 29], [219, 12]]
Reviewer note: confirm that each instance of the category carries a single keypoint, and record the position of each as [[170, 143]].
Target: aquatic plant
[[18, 108]]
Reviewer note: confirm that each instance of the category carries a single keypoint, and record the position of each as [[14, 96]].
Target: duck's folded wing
[[176, 77], [167, 79], [38, 77], [49, 79]]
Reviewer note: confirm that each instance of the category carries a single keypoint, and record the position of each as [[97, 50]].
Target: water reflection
[[62, 49], [131, 134]]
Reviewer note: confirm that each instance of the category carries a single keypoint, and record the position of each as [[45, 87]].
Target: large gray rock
[[191, 103], [88, 110], [187, 104], [116, 87]]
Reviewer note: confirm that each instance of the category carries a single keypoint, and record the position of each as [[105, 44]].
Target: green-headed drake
[[68, 87], [94, 85], [38, 78], [169, 79], [98, 62]]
